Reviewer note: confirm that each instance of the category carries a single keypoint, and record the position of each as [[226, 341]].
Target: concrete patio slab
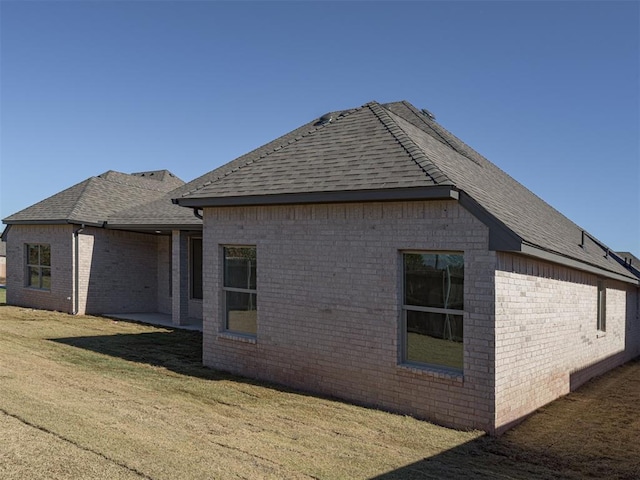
[[158, 319]]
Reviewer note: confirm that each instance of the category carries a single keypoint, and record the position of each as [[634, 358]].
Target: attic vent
[[323, 120], [428, 114]]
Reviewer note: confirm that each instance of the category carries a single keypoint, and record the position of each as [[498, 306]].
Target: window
[[433, 309], [239, 287], [602, 306], [39, 266], [196, 267]]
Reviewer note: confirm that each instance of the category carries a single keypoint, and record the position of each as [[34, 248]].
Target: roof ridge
[[415, 152], [139, 181], [422, 118], [76, 206], [318, 125], [150, 174], [439, 129]]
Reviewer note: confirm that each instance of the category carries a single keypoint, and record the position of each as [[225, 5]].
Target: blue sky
[[549, 91]]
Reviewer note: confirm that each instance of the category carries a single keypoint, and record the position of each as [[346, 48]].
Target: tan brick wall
[[118, 271], [60, 237], [546, 333], [329, 299]]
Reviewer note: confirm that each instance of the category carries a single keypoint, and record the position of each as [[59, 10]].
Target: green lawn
[[3, 295], [87, 397]]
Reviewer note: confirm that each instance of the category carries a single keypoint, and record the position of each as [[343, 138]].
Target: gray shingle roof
[[361, 150], [630, 262], [385, 151], [94, 199], [629, 257], [391, 147], [163, 212]]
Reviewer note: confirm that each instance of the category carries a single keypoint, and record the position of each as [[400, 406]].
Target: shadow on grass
[[484, 458], [477, 459], [503, 458], [177, 350], [181, 352]]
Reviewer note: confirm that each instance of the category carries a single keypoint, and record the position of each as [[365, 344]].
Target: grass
[[87, 397], [3, 296]]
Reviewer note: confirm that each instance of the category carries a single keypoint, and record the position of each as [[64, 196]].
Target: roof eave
[[535, 251], [54, 222], [440, 192], [503, 239], [152, 228], [5, 232]]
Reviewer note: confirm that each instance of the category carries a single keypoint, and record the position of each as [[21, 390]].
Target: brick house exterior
[[368, 255], [98, 267], [328, 299], [329, 292], [330, 219]]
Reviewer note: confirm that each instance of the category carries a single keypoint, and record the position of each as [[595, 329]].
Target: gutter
[[54, 222], [535, 251], [442, 192], [153, 227]]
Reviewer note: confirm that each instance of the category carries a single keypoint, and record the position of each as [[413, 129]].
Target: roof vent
[[324, 120], [428, 114]]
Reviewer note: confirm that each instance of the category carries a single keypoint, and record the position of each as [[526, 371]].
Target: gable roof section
[[93, 200], [393, 152]]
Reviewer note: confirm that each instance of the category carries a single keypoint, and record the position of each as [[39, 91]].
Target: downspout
[[76, 273], [195, 212]]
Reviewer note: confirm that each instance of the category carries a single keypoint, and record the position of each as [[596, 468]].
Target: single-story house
[[65, 253], [369, 255]]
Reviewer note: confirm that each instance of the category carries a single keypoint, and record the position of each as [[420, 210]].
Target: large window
[[39, 266], [239, 287], [433, 309], [196, 267], [602, 306]]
